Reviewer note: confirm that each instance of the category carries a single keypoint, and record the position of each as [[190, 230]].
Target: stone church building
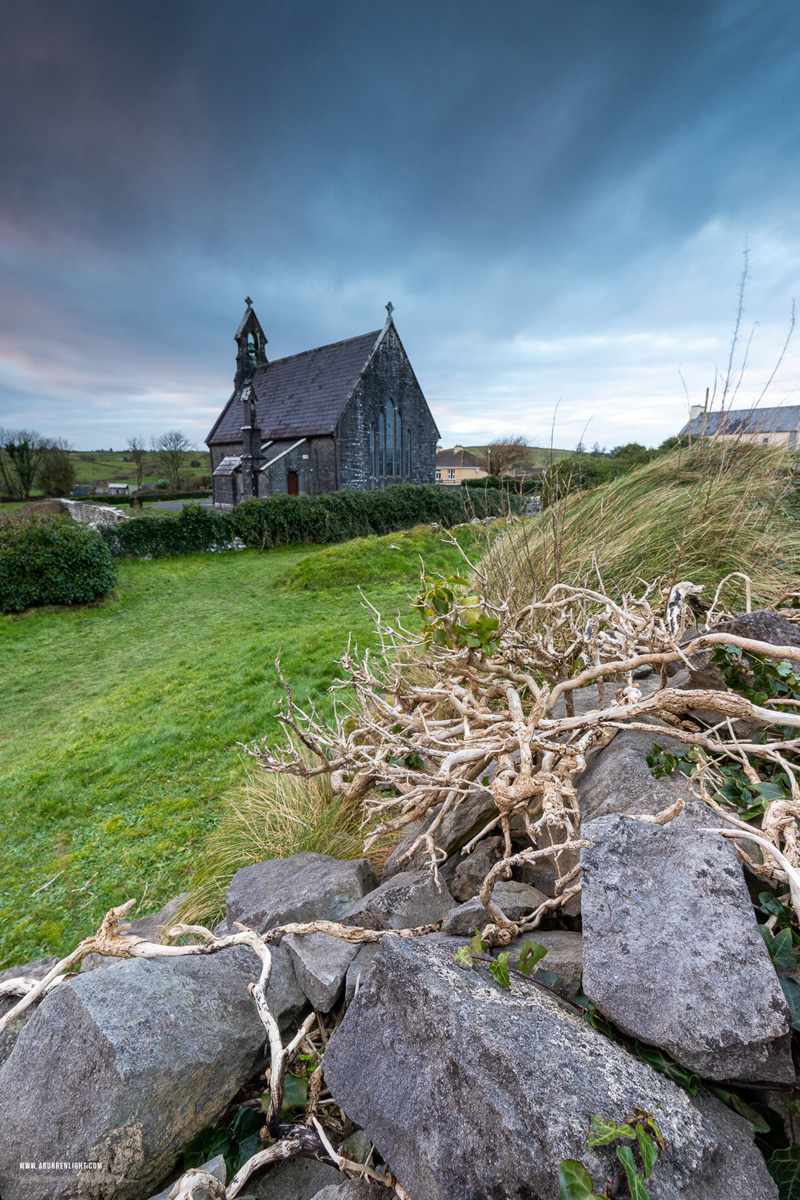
[[349, 415]]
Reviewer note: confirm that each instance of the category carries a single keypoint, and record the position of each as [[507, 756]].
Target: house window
[[765, 441], [793, 437], [451, 472], [438, 473]]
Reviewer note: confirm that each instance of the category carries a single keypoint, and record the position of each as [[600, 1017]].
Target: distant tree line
[[31, 462], [28, 460]]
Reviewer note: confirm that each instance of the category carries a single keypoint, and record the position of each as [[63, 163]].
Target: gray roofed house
[[768, 426], [347, 415]]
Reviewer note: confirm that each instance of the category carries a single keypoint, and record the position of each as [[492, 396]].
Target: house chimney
[[457, 448], [696, 411]]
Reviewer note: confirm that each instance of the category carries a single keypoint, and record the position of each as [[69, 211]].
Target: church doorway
[[292, 488]]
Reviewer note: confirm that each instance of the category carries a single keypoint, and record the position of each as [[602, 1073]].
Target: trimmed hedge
[[289, 520], [191, 531], [52, 561]]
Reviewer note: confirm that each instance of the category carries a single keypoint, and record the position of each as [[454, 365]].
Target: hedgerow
[[191, 531], [52, 561], [289, 520]]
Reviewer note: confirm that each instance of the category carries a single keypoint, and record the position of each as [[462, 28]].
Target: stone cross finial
[[248, 302], [390, 309]]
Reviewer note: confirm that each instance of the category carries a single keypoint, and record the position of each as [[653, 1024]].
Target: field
[[119, 723], [535, 456]]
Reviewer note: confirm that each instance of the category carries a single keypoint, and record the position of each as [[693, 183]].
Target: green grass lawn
[[119, 723]]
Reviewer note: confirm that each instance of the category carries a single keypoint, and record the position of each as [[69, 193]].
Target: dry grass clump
[[274, 816], [697, 513]]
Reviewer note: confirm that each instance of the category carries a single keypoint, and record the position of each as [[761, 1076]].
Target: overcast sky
[[555, 196]]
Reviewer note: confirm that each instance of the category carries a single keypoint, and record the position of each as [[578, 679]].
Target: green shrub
[[191, 531], [339, 516], [293, 520], [52, 561]]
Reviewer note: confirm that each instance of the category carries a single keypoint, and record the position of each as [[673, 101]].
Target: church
[[348, 415]]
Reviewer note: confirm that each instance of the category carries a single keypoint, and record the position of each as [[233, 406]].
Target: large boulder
[[671, 948], [122, 1068], [470, 1090], [763, 625], [32, 970], [406, 901], [305, 887], [618, 778]]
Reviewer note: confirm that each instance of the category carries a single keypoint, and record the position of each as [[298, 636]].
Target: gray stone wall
[[389, 376]]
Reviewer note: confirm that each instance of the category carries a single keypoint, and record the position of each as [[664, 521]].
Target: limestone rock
[[515, 899], [671, 948], [320, 964], [32, 970], [305, 887], [354, 1189], [357, 971], [618, 779], [564, 954], [153, 927], [405, 901], [300, 1179], [482, 1091], [761, 625], [458, 827], [215, 1166], [473, 869], [124, 1067]]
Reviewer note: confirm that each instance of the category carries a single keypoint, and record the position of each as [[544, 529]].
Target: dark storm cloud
[[547, 192]]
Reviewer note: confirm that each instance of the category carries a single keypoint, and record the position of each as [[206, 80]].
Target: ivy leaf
[[791, 991], [532, 953], [550, 978], [784, 1167], [667, 1066], [463, 958], [247, 1123], [771, 791], [477, 946], [575, 1182], [647, 1149], [499, 970], [605, 1131], [780, 946], [635, 1182]]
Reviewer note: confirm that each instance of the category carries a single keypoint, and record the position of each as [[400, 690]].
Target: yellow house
[[456, 465]]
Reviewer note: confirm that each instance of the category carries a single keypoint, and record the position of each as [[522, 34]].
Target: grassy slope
[[120, 722], [537, 456]]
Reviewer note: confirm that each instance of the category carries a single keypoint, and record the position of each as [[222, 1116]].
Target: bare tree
[[20, 455], [137, 450], [505, 453], [56, 473], [170, 450]]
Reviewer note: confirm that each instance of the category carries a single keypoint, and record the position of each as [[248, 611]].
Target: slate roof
[[300, 396], [228, 465], [746, 420], [456, 458]]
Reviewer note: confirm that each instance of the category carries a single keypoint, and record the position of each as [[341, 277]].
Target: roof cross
[[390, 309], [248, 302]]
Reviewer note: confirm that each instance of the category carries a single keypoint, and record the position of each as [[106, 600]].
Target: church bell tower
[[251, 342]]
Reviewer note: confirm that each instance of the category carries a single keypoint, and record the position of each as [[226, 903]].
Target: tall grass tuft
[[696, 513], [273, 816]]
